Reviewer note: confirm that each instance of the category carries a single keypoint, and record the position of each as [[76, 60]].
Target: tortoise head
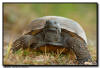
[[53, 26], [52, 31]]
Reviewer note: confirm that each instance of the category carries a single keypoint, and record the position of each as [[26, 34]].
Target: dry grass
[[32, 57]]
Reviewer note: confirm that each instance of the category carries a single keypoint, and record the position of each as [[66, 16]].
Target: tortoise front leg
[[80, 49], [23, 42]]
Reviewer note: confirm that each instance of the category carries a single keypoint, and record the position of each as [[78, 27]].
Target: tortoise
[[54, 31]]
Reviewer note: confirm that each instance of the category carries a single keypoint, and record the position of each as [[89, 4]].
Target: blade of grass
[[45, 54], [8, 49], [60, 53]]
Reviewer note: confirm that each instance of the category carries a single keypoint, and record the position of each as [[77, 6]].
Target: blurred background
[[17, 16]]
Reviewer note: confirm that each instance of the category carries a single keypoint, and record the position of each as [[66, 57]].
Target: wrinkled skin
[[53, 35]]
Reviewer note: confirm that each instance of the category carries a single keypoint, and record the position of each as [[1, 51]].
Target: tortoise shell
[[65, 23]]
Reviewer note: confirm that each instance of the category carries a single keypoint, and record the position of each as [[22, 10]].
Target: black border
[[97, 13]]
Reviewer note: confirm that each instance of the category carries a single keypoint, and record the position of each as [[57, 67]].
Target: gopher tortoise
[[54, 31]]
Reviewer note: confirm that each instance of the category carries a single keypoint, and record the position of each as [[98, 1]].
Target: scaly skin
[[80, 49], [23, 42]]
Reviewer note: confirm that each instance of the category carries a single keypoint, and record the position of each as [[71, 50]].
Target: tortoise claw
[[83, 61]]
